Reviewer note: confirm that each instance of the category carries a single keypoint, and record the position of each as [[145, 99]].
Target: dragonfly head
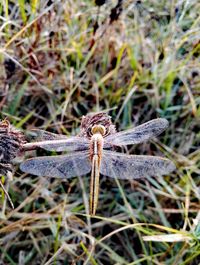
[[96, 123], [98, 128]]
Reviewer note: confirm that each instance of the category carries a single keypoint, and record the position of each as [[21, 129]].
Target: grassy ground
[[57, 64]]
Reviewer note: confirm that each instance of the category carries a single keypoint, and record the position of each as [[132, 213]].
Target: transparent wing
[[62, 166], [125, 166], [41, 135], [59, 143], [71, 144], [138, 134]]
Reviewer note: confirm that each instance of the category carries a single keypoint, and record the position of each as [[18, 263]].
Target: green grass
[[142, 66]]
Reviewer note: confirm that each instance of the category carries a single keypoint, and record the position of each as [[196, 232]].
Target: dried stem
[[7, 195]]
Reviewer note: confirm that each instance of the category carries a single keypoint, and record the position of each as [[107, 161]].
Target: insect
[[93, 150]]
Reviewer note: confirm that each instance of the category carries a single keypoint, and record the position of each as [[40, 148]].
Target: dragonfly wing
[[70, 144], [138, 134], [41, 135], [62, 166], [58, 142], [125, 166]]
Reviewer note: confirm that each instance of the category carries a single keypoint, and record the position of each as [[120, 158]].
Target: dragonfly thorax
[[96, 144], [98, 129]]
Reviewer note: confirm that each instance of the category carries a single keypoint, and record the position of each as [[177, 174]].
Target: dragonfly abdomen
[[96, 149]]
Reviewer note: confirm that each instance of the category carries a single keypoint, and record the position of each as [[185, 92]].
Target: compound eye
[[98, 129], [94, 129], [102, 130]]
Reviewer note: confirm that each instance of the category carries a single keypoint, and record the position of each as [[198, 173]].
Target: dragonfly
[[94, 150]]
